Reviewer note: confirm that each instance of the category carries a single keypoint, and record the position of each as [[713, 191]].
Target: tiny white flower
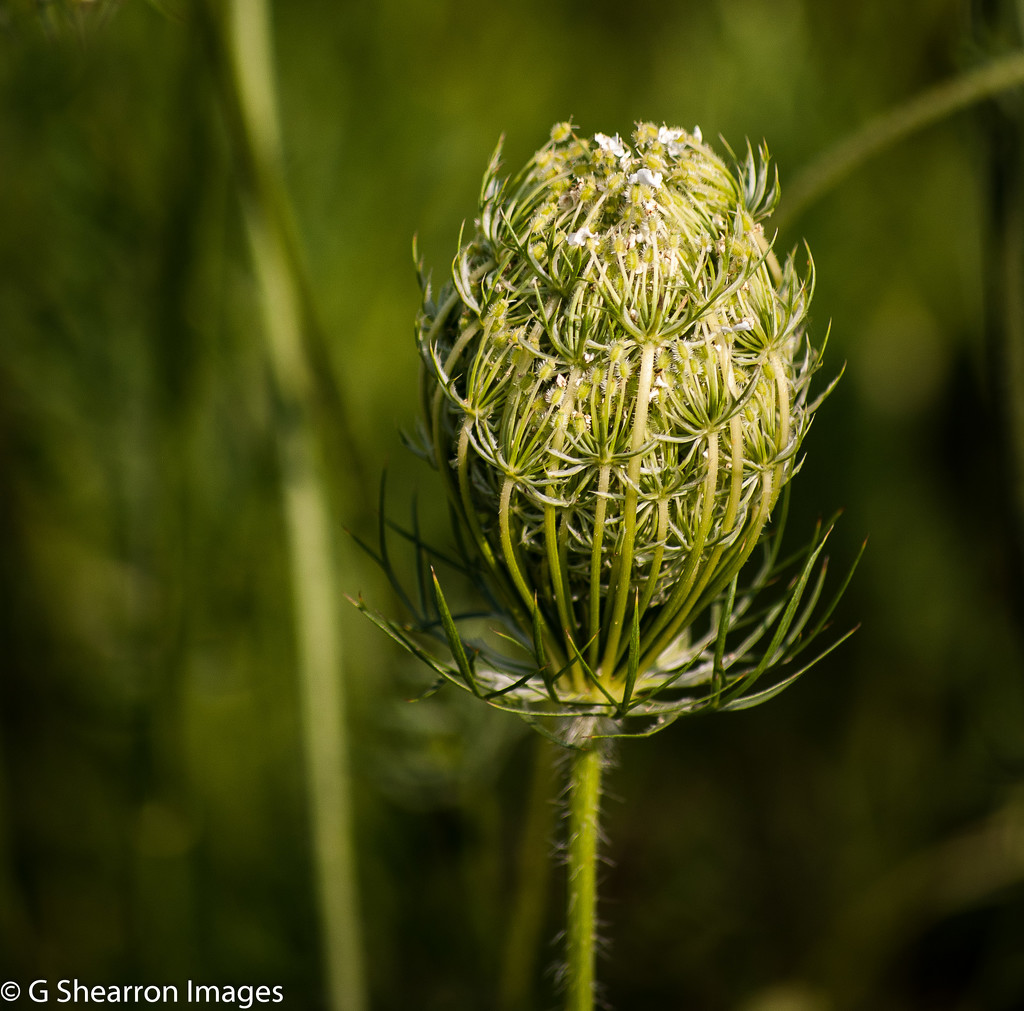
[[579, 238], [613, 145], [645, 177], [697, 134], [741, 327], [670, 138]]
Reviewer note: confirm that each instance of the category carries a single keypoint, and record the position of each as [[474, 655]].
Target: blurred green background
[[858, 843]]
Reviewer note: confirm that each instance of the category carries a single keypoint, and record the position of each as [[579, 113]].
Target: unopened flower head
[[615, 390]]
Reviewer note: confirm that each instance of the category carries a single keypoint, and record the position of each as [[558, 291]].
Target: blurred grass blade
[[890, 127], [240, 35], [382, 540]]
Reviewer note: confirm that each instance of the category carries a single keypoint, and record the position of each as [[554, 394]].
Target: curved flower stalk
[[615, 391]]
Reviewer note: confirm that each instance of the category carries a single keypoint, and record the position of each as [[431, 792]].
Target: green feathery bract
[[615, 390]]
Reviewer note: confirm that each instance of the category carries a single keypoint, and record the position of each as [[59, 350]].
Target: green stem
[[559, 577], [584, 815], [623, 592], [717, 577], [251, 92], [890, 127], [670, 613], [596, 558]]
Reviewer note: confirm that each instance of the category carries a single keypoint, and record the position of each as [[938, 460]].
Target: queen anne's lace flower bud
[[616, 389]]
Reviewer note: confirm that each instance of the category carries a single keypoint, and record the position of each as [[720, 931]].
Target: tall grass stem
[[886, 129], [1010, 340], [584, 832], [306, 503]]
